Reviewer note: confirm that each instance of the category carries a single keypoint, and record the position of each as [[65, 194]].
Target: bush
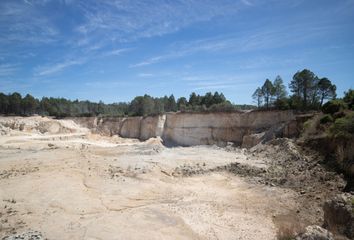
[[333, 106], [343, 127], [222, 107], [338, 115], [326, 119]]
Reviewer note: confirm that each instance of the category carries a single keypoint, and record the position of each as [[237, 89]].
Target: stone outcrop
[[315, 233], [339, 215], [187, 129]]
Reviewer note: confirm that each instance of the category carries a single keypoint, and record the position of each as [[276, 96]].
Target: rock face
[[187, 129], [315, 233], [339, 215], [37, 124], [152, 127], [251, 140], [131, 127]]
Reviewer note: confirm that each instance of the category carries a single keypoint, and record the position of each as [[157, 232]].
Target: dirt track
[[82, 186]]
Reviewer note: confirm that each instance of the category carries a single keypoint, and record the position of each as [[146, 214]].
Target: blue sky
[[114, 50]]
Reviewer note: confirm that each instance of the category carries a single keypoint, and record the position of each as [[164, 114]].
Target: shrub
[[333, 106], [222, 107], [343, 127], [326, 119], [338, 115]]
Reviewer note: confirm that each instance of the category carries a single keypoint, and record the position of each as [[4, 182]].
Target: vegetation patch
[[343, 127], [326, 119]]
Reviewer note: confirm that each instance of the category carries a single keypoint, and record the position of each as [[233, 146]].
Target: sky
[[114, 50]]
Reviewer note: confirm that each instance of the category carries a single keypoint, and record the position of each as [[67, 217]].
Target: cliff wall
[[188, 129]]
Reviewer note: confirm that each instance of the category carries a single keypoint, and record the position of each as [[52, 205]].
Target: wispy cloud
[[145, 75], [57, 67], [217, 82], [247, 2], [8, 69], [151, 61], [130, 20], [252, 40], [115, 52], [23, 23]]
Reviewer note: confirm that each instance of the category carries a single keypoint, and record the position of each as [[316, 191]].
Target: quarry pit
[[175, 176]]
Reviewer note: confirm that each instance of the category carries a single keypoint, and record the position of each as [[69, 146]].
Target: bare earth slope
[[67, 183]]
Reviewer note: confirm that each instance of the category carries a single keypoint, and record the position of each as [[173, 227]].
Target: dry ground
[[83, 186]]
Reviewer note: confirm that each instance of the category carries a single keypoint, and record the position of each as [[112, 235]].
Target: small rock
[[315, 232]]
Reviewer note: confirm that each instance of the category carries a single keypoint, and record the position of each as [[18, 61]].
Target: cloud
[[58, 67], [8, 69], [116, 52], [251, 40], [127, 20], [145, 75], [150, 61], [25, 24], [247, 2]]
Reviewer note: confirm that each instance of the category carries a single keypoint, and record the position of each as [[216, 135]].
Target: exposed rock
[[251, 140], [152, 127], [339, 215], [131, 127], [38, 124], [315, 232], [188, 129], [30, 235]]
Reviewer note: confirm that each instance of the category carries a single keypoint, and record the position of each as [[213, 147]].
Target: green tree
[[171, 104], [258, 96], [136, 106], [268, 92], [15, 103], [326, 90], [279, 88], [148, 105], [182, 103], [4, 103], [100, 107], [218, 98], [349, 98], [303, 85], [207, 99], [29, 104], [159, 106], [193, 99]]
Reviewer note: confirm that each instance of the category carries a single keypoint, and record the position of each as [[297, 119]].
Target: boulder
[[251, 140], [315, 232]]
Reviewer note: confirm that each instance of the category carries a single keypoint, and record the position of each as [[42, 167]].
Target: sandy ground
[[82, 186]]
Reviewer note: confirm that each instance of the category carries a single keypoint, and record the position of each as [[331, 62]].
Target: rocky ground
[[58, 181]]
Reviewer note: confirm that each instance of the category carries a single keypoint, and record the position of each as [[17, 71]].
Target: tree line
[[308, 92], [15, 104]]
